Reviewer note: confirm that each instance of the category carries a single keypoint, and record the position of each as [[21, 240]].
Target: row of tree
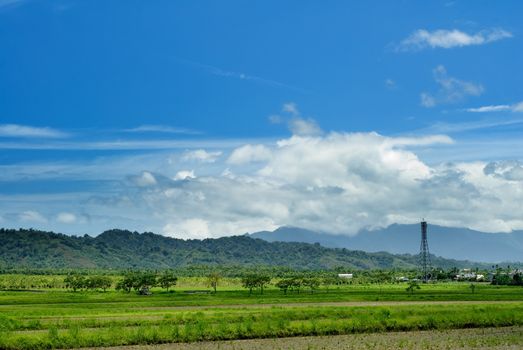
[[143, 281], [81, 282], [291, 283]]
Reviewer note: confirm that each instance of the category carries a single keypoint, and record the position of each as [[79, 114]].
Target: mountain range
[[450, 242], [121, 249]]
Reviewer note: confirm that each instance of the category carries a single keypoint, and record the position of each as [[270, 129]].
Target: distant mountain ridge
[[120, 249], [450, 242]]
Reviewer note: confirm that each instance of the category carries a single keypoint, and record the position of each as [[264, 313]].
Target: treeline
[[81, 282], [507, 277], [121, 249], [289, 280]]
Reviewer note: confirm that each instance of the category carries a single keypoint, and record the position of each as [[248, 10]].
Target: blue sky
[[170, 116]]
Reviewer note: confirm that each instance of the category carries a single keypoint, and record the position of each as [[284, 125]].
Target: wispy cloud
[[130, 144], [10, 3], [15, 130], [446, 39], [297, 124], [451, 90], [242, 76], [201, 155], [449, 128], [390, 84], [163, 129], [516, 107]]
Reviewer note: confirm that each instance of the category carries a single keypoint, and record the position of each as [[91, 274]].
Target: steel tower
[[424, 255]]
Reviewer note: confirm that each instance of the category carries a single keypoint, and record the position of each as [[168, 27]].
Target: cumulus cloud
[[297, 124], [15, 130], [516, 107], [249, 154], [508, 170], [184, 174], [304, 127], [333, 182], [451, 90], [340, 182], [201, 155], [145, 179], [188, 229], [446, 39], [66, 218]]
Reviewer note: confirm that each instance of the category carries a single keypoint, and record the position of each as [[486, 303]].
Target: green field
[[55, 318]]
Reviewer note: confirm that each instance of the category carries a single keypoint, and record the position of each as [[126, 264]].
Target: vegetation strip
[[195, 325], [503, 338]]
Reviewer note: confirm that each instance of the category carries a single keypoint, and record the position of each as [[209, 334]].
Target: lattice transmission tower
[[424, 255]]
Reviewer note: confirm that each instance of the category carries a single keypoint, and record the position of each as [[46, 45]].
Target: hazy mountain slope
[[124, 249], [455, 243]]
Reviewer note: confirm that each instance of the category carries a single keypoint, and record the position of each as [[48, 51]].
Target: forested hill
[[118, 249]]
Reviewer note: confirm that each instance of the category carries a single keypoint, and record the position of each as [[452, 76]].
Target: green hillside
[[119, 249]]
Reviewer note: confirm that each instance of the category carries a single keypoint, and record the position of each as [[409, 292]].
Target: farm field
[[465, 339], [56, 318]]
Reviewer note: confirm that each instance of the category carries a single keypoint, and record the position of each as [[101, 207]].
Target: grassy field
[[62, 319]]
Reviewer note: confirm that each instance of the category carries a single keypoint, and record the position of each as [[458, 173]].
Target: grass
[[60, 319]]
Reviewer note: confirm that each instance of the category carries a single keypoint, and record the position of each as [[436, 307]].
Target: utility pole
[[424, 255]]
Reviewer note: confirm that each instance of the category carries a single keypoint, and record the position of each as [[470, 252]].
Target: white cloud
[[304, 127], [508, 170], [275, 119], [145, 179], [427, 100], [446, 39], [517, 107], [32, 216], [163, 129], [66, 218], [451, 90], [291, 108], [128, 144], [444, 127], [249, 154], [184, 174], [391, 84], [15, 130], [334, 182], [201, 155], [188, 229]]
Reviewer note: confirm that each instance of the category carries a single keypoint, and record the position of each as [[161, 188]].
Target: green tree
[[249, 282], [284, 285], [413, 285], [167, 280], [262, 281], [95, 282], [329, 280], [252, 281], [312, 283], [75, 282], [141, 282], [213, 279]]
